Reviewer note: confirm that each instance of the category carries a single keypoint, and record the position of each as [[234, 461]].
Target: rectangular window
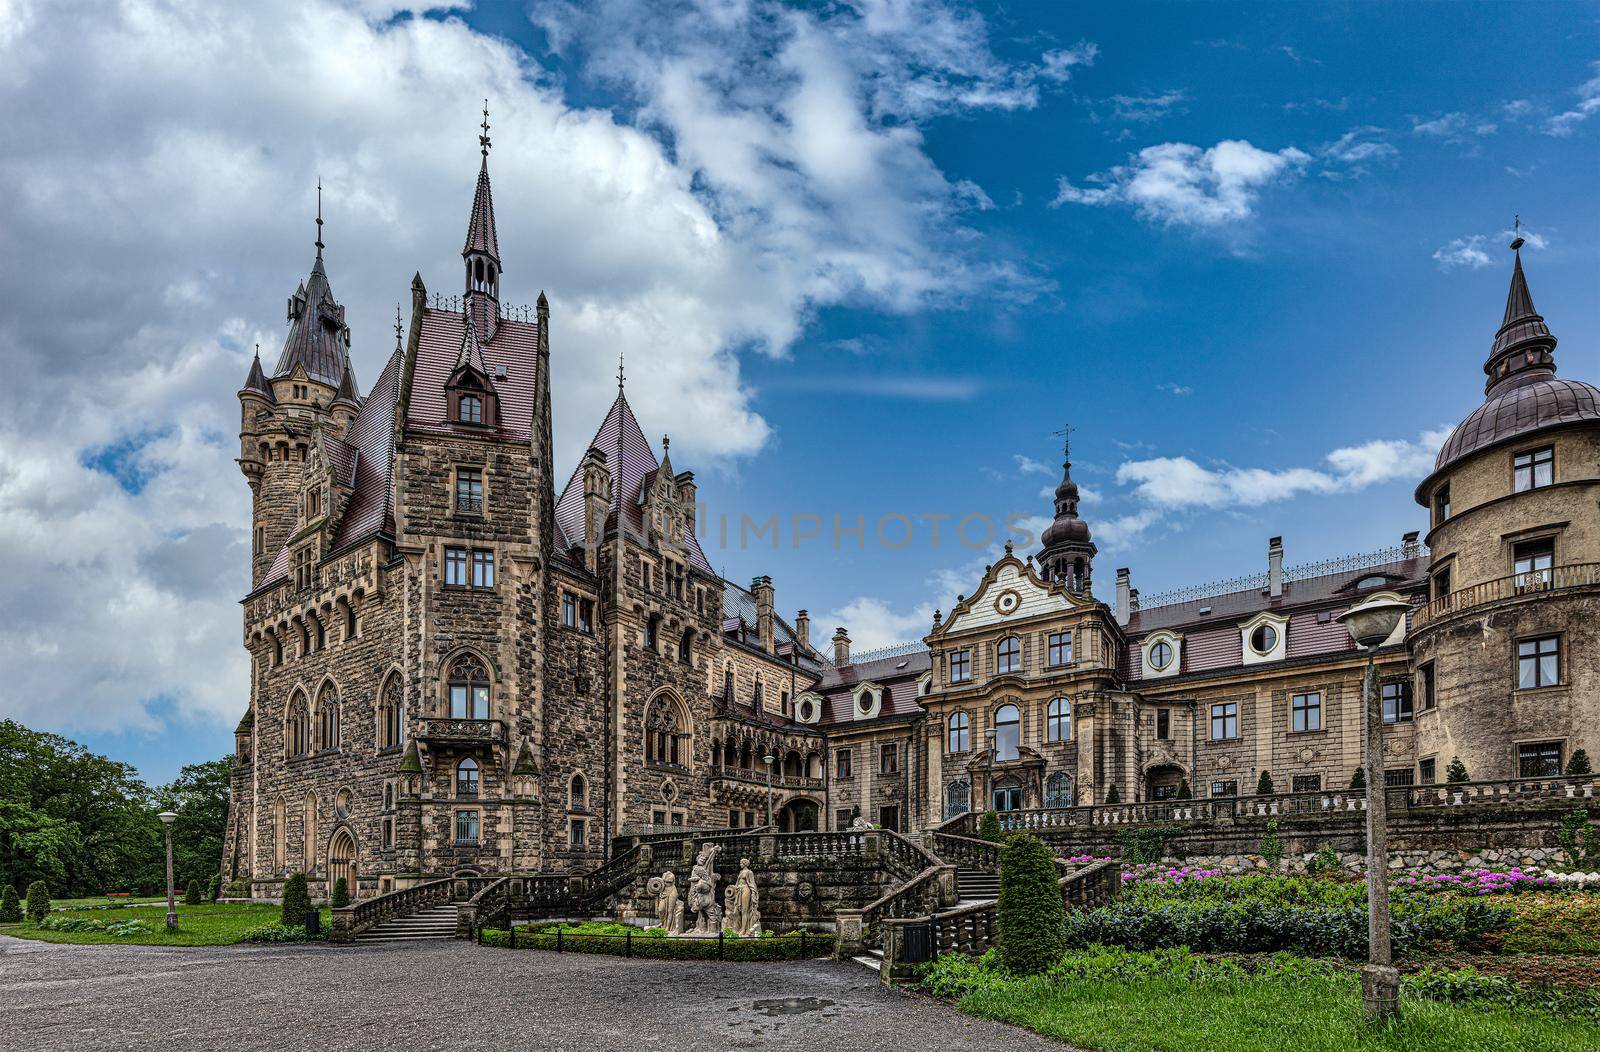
[[482, 568], [1426, 772], [469, 490], [569, 610], [960, 666], [466, 827], [1397, 702], [1305, 712], [1307, 783], [889, 818], [1429, 699], [1402, 777], [585, 615], [577, 833], [733, 819], [1227, 788], [841, 818], [388, 832], [1441, 583], [1539, 759], [1163, 724], [841, 763], [1534, 469], [889, 759], [1008, 656], [1538, 662], [1060, 649], [455, 567], [1532, 561], [1224, 720], [1441, 504]]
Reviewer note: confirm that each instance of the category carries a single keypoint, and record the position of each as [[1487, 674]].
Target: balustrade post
[[852, 933], [768, 846]]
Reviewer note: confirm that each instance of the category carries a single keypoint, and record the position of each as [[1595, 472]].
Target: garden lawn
[[212, 924], [1244, 1013]]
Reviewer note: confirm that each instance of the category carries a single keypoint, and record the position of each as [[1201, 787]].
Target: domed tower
[[1507, 652], [1067, 556]]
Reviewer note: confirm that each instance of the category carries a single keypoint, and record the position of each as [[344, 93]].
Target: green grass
[[212, 924], [101, 900], [1305, 1012]]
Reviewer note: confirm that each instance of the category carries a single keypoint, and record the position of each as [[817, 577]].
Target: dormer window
[[1263, 638], [470, 409], [1375, 581]]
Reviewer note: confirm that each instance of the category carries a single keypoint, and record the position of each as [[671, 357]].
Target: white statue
[[703, 892], [744, 898], [669, 909]]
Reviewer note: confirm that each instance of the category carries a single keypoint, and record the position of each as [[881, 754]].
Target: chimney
[[841, 647], [802, 628], [1124, 594], [1275, 567], [1133, 601], [762, 587], [1409, 548]]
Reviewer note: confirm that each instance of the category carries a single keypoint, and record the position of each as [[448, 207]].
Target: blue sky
[[864, 260]]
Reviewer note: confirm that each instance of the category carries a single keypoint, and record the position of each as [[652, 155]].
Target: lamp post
[[1369, 624], [167, 818], [769, 760]]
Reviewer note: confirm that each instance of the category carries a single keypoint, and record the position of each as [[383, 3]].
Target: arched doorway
[[1006, 794], [797, 816], [1161, 782], [342, 861]]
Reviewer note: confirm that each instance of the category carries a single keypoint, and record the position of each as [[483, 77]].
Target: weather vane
[[1066, 439], [1517, 240], [483, 140], [620, 373]]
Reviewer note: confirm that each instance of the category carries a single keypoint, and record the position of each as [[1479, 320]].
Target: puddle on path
[[791, 1005]]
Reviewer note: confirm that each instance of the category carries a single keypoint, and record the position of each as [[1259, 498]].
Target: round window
[[805, 711], [341, 803], [1161, 654], [1263, 639], [1007, 602]]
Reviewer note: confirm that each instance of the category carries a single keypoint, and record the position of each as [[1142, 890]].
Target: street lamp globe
[[769, 759], [1372, 622], [167, 818]]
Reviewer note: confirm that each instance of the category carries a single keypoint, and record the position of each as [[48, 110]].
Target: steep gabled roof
[[514, 348], [257, 380], [318, 339], [371, 507]]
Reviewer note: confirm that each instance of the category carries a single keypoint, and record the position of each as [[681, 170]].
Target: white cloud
[[1442, 127], [1143, 109], [1356, 149], [1474, 250], [1179, 184], [1179, 390], [873, 623], [732, 195], [1565, 123], [1028, 466]]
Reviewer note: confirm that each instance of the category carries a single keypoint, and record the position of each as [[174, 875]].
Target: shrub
[[296, 901], [1577, 839], [1145, 844], [1113, 796], [1579, 764], [237, 889], [38, 901], [191, 894], [1184, 792], [275, 933], [214, 888], [1456, 772], [1326, 861], [989, 827], [786, 947], [10, 906], [1264, 785], [1031, 932], [1271, 847], [1358, 781], [341, 894]]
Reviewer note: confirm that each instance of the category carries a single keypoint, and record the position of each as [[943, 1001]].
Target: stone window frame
[[961, 656], [1278, 650], [328, 690], [1055, 719], [1056, 642], [843, 768], [1403, 713], [447, 680], [297, 725], [474, 818], [456, 508], [1535, 460], [577, 793], [1212, 717], [471, 787], [952, 730], [1296, 693], [1148, 668], [577, 833], [1008, 656], [1561, 754], [994, 724], [467, 556], [1536, 639], [381, 730], [678, 746], [889, 758]]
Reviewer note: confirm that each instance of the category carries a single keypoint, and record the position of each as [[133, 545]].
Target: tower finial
[[1066, 440], [483, 140], [1517, 240], [666, 444], [319, 217], [620, 373], [397, 326]]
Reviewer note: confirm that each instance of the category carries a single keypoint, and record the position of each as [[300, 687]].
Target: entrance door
[[342, 861], [1006, 796]]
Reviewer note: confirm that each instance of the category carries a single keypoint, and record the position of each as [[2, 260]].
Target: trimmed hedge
[[296, 901], [786, 947], [191, 894], [341, 894], [10, 905], [38, 901], [1029, 908]]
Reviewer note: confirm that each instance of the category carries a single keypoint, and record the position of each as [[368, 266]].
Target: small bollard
[[719, 945], [511, 936], [558, 938]]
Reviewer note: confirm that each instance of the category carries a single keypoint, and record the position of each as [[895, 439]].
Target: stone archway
[[342, 861], [798, 816], [1161, 781]]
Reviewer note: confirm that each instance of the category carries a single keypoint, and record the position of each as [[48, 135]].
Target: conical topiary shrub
[[296, 901], [1358, 781], [214, 889], [989, 827], [1579, 765], [10, 905], [1113, 796], [38, 901], [1264, 786], [1033, 932], [1456, 772], [341, 894], [191, 893], [1183, 790]]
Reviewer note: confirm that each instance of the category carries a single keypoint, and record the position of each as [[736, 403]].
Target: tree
[[1456, 772], [296, 901], [1183, 790], [199, 797], [1033, 933], [989, 828], [214, 889], [1578, 765], [341, 894], [1264, 785], [191, 893], [1113, 796], [1358, 781], [38, 901], [10, 906]]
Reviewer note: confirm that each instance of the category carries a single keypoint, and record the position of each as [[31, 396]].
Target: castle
[[457, 669]]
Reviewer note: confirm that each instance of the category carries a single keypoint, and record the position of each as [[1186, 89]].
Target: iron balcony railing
[[1534, 582]]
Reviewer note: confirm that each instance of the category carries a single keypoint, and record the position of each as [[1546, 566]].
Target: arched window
[[469, 689], [1007, 733], [665, 733], [957, 799], [467, 778], [960, 728], [297, 727], [793, 766], [471, 409], [308, 846], [652, 632], [747, 758], [1059, 725], [349, 621], [327, 717], [319, 634], [686, 647], [1007, 655], [1058, 790], [280, 831], [578, 793], [391, 707], [277, 650]]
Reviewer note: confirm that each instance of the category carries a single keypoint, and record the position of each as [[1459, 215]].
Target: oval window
[[1161, 654], [1263, 639], [1372, 582]]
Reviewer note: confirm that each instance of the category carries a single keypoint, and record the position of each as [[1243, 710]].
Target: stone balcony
[[455, 732], [1517, 586], [757, 776]]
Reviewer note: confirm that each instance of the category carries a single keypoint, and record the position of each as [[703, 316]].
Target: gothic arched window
[[1007, 655], [686, 647], [1059, 725], [391, 707], [577, 793], [1058, 790], [328, 717], [665, 733], [1007, 733], [297, 727], [467, 777], [957, 799], [469, 688], [960, 727], [308, 830]]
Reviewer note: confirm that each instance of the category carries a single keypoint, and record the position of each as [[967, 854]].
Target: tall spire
[[620, 374], [319, 218], [481, 253], [1068, 552], [1524, 348], [318, 339]]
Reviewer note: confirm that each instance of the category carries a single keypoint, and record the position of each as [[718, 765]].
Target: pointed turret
[[318, 339], [348, 392], [256, 382], [1068, 552], [481, 253], [1524, 348], [471, 354]]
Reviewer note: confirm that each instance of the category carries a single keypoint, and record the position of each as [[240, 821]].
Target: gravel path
[[453, 995]]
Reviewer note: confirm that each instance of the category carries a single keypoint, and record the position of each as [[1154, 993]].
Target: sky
[[865, 262]]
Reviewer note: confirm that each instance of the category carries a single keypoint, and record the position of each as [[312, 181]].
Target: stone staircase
[[872, 958], [438, 922], [973, 885]]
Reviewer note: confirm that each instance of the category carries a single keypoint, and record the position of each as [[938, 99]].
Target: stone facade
[[456, 670]]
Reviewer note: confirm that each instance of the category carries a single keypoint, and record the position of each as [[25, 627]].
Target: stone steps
[[436, 923], [976, 886], [871, 959]]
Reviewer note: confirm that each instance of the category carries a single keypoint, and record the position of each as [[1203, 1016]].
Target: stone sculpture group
[[739, 911]]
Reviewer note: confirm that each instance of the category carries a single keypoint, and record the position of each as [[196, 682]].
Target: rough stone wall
[[572, 738]]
